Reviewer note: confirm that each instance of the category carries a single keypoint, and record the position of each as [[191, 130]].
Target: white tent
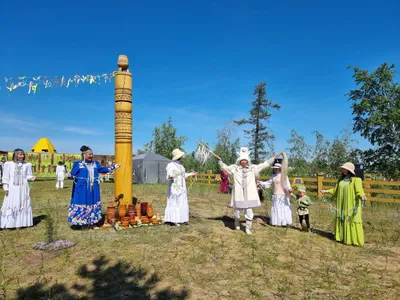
[[149, 168]]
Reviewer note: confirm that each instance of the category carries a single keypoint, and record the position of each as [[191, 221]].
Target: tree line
[[376, 116]]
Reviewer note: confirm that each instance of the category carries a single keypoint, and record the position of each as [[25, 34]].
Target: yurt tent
[[149, 168], [43, 145]]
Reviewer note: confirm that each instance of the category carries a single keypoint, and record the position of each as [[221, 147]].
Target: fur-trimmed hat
[[244, 154]]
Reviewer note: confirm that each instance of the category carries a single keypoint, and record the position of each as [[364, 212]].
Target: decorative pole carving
[[123, 130]]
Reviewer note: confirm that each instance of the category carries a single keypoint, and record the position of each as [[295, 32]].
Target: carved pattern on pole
[[123, 130]]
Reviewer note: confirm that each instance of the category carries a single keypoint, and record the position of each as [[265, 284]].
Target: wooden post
[[320, 185], [123, 130], [367, 186]]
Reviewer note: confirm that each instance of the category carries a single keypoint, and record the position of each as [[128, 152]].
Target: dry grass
[[204, 260]]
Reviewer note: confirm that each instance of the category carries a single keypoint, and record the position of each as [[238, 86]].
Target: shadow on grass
[[265, 219], [38, 219], [324, 234], [118, 281], [229, 222]]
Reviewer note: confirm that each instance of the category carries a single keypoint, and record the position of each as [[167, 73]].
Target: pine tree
[[260, 114]]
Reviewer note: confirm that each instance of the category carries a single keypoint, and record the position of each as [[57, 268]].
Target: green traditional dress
[[348, 223]]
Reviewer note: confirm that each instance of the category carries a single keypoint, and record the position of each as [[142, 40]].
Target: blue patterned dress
[[85, 206]]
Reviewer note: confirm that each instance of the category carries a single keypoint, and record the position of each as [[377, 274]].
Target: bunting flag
[[343, 213], [33, 84]]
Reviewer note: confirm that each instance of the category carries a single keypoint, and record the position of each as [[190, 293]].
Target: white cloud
[[10, 143], [81, 130], [20, 124]]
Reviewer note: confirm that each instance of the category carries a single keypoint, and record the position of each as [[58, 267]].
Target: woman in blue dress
[[85, 206]]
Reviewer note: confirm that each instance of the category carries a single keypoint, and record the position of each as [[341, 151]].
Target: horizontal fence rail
[[376, 191]]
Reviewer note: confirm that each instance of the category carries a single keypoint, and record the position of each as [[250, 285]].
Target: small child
[[303, 202]]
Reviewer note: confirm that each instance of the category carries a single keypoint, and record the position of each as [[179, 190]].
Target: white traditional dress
[[281, 211], [16, 210], [60, 175], [177, 210], [244, 192]]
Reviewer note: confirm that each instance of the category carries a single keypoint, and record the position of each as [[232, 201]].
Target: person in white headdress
[[16, 210], [244, 192], [177, 210], [60, 175], [281, 211]]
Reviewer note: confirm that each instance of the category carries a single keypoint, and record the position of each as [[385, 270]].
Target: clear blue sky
[[196, 61]]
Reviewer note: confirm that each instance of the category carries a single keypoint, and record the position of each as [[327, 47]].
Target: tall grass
[[203, 260]]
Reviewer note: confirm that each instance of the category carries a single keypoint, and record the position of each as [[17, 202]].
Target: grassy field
[[203, 260]]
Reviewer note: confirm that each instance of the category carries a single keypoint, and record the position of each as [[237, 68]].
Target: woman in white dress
[[177, 210], [16, 211], [60, 175], [281, 211]]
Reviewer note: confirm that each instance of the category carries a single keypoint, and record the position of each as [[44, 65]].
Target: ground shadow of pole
[[38, 219], [118, 281], [325, 234]]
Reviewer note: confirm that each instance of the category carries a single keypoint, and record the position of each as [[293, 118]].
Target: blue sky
[[196, 61]]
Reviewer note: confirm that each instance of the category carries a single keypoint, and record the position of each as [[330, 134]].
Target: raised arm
[[266, 164], [229, 169], [102, 169]]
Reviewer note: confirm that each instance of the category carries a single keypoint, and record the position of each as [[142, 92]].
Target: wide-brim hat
[[277, 166], [350, 167], [177, 154]]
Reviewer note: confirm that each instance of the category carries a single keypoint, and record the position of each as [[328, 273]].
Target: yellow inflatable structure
[[43, 145]]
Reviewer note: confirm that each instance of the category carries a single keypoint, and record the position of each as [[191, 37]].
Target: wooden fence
[[376, 191], [44, 164]]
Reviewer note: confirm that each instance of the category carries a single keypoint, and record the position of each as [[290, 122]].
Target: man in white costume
[[60, 175], [16, 211], [177, 210], [244, 192]]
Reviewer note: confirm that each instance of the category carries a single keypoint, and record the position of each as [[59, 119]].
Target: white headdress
[[243, 154]]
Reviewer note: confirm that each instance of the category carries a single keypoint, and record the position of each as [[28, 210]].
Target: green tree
[[319, 161], [165, 140], [191, 164], [260, 114], [225, 148], [299, 154], [376, 111], [341, 150]]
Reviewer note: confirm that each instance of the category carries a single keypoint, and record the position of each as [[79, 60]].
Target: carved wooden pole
[[123, 130]]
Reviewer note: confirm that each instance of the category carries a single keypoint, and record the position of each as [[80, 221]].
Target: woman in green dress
[[349, 193]]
